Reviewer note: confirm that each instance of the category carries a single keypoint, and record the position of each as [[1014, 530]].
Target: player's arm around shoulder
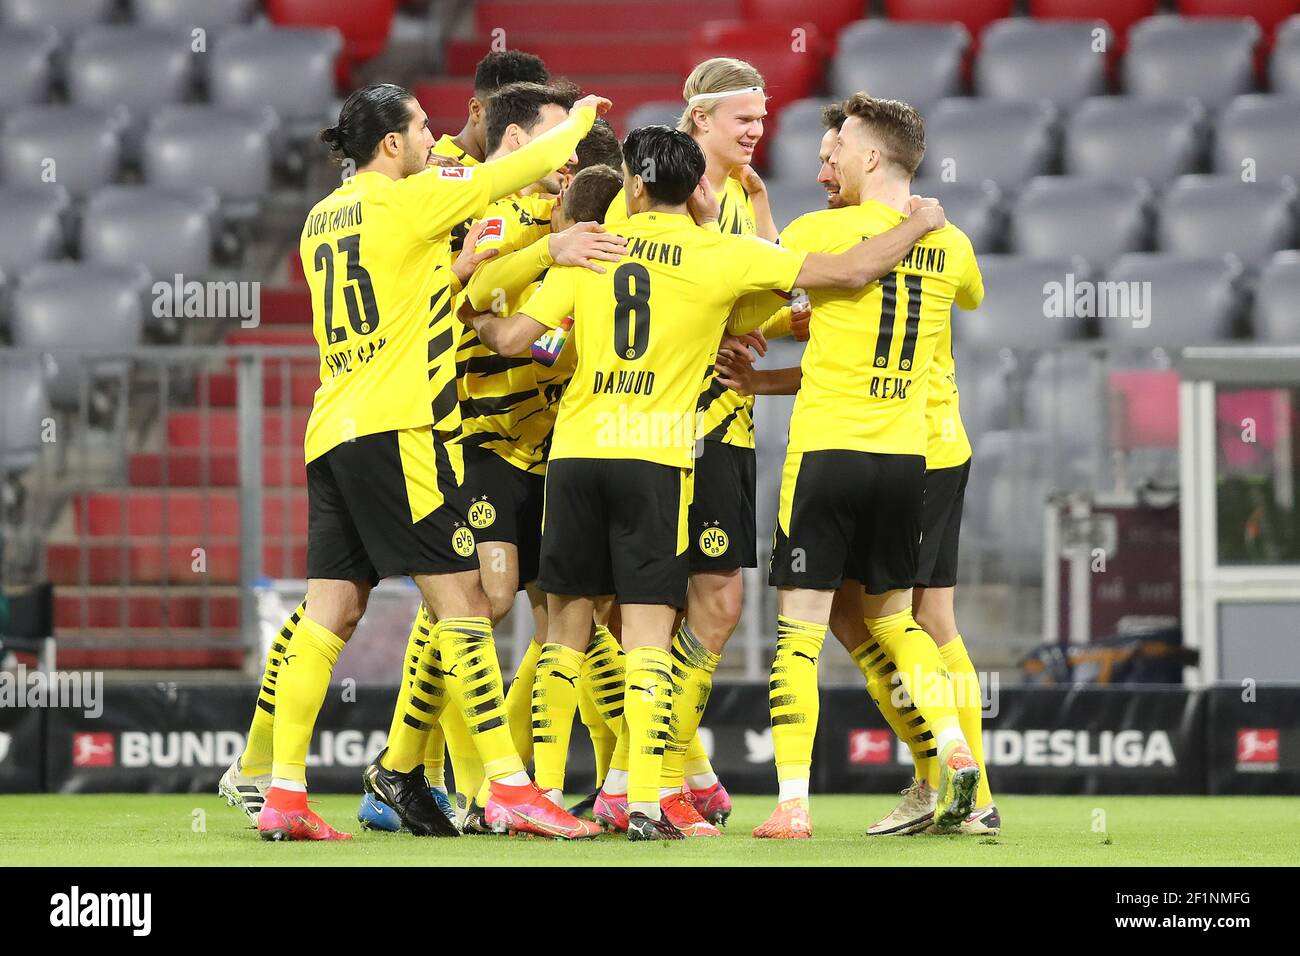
[[548, 307], [870, 259]]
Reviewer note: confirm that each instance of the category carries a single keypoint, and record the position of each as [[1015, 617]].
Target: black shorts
[[387, 504], [848, 514], [615, 526], [504, 503], [945, 490], [722, 509]]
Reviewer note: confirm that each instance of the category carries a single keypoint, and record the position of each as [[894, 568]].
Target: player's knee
[[715, 612], [500, 602], [939, 625]]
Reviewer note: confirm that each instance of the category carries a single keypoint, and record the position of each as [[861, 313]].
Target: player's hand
[[751, 182], [702, 204], [800, 316], [597, 103], [735, 372], [744, 344], [585, 244], [927, 210], [470, 258]]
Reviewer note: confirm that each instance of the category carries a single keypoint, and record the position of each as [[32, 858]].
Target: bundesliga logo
[[1258, 749], [869, 746]]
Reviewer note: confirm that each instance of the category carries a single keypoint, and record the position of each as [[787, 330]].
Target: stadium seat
[[364, 24], [1066, 215], [50, 308], [1276, 318], [1284, 65], [971, 140], [25, 67], [1217, 215], [828, 16], [169, 232], [23, 407], [31, 226], [1062, 393], [793, 152], [791, 198], [1012, 474], [292, 71], [1120, 14], [881, 57], [976, 209], [1259, 137], [188, 14], [141, 69], [1269, 14], [1174, 301], [1170, 57], [660, 113], [227, 150], [975, 15], [62, 16], [76, 147], [789, 74], [1023, 59], [1114, 137], [1015, 312]]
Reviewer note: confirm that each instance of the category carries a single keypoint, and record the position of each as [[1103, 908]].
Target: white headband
[[713, 96]]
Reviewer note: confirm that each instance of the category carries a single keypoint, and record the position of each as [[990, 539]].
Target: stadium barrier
[[179, 737]]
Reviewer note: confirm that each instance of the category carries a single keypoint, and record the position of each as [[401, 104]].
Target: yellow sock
[[555, 698], [648, 707], [435, 757], [905, 720], [420, 704], [921, 672], [519, 703], [693, 666], [698, 769], [600, 684], [304, 681], [619, 759], [466, 764], [474, 687], [435, 750], [970, 708], [258, 751], [793, 697], [603, 740]]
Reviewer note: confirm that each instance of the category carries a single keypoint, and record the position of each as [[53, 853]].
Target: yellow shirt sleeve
[[971, 293], [555, 300], [441, 197], [758, 310], [510, 273], [754, 264], [779, 325]]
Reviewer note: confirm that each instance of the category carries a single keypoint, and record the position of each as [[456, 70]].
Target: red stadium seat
[[364, 24], [790, 73], [1120, 14], [975, 15], [829, 16], [1267, 13]]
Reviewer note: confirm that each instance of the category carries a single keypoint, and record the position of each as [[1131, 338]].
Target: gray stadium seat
[[1212, 59], [226, 150], [1012, 474], [1216, 215], [1115, 137], [62, 14], [23, 406], [50, 308], [791, 198], [84, 144], [31, 226], [1015, 312], [169, 232], [656, 113], [1276, 317], [880, 57], [976, 209], [794, 150], [25, 66], [1260, 135], [1187, 300], [192, 13], [142, 69], [290, 70], [1063, 396], [1023, 59], [971, 140], [1284, 65], [1070, 216]]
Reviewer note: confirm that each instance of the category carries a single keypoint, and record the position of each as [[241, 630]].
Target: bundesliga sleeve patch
[[455, 172], [493, 228]]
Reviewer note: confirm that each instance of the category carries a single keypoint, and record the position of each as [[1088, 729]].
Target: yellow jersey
[[446, 146], [725, 416], [499, 398], [377, 258], [647, 333], [868, 362], [947, 444]]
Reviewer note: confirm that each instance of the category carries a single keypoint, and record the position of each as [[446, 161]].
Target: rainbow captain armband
[[548, 348]]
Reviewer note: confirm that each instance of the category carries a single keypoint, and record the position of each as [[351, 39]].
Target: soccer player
[[383, 482], [618, 479], [851, 492], [948, 455]]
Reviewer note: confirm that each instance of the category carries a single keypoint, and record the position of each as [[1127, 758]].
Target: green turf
[[193, 829]]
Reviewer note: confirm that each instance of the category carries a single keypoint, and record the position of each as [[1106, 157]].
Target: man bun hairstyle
[[669, 161], [588, 197], [520, 104], [503, 67], [367, 116], [896, 125]]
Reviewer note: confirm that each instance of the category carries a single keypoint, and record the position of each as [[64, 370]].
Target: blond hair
[[718, 75]]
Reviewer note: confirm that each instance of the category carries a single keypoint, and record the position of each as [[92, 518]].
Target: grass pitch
[[200, 830]]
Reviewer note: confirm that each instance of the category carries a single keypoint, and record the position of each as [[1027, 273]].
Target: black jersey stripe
[[439, 344], [479, 406], [491, 364], [885, 333], [913, 286]]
